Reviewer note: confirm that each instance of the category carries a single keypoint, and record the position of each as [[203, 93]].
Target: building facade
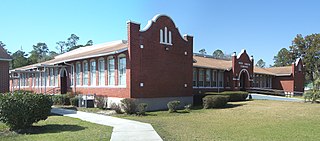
[[4, 70], [154, 65]]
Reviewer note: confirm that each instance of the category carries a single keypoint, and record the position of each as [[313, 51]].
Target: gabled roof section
[[206, 62], [84, 53], [4, 56]]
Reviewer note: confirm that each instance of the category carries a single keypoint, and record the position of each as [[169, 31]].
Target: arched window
[[111, 73], [85, 73], [122, 69], [93, 69], [101, 69], [170, 38], [165, 34], [78, 68]]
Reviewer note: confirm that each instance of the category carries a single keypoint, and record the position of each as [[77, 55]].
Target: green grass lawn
[[249, 120], [59, 128]]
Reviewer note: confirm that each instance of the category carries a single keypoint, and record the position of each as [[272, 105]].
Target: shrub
[[142, 107], [234, 96], [173, 106], [100, 102], [307, 96], [128, 105], [116, 107], [61, 99], [20, 111], [75, 101], [215, 101]]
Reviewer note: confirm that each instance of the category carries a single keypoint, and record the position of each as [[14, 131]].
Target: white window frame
[[111, 77], [85, 73], [101, 72], [78, 74], [122, 76], [93, 73]]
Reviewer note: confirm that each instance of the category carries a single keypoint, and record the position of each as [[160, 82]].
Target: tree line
[[40, 51]]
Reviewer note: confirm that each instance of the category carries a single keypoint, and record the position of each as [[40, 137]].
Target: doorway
[[63, 81]]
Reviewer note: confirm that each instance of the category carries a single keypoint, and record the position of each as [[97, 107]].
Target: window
[[78, 67], [165, 36], [201, 78], [85, 73], [56, 72], [221, 77], [93, 73], [72, 75], [214, 79], [122, 69], [101, 68], [195, 77], [37, 78], [208, 78], [22, 79], [111, 80], [51, 77], [43, 79]]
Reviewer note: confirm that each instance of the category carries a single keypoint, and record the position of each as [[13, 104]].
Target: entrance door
[[63, 82], [243, 81]]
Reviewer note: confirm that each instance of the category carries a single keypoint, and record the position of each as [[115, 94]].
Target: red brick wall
[[4, 76], [162, 72], [283, 83]]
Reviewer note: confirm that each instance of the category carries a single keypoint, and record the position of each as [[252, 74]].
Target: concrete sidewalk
[[123, 129], [278, 98]]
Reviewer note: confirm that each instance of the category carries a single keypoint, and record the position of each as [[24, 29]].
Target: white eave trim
[[92, 56]]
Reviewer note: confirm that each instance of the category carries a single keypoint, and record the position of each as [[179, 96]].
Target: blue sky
[[261, 27]]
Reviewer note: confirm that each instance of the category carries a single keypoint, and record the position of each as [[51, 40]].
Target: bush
[[75, 101], [20, 111], [142, 107], [307, 96], [215, 101], [128, 105], [234, 96], [100, 102], [61, 99], [116, 107], [173, 106]]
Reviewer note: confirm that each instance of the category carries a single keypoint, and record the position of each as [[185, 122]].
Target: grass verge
[[248, 120], [58, 128]]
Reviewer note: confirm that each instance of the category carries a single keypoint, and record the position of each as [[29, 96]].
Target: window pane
[[122, 71], [56, 72], [101, 73], [194, 77], [51, 77], [93, 73], [85, 73], [111, 80], [201, 78], [78, 67], [208, 77]]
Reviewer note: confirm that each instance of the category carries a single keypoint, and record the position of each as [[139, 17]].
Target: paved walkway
[[123, 129], [271, 97]]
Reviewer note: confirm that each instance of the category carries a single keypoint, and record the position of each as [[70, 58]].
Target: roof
[[4, 55], [277, 71], [84, 53], [212, 63]]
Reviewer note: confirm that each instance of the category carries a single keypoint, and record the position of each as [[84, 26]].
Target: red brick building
[[239, 73], [154, 65], [4, 70]]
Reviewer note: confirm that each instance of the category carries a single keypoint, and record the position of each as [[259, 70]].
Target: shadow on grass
[[51, 128]]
